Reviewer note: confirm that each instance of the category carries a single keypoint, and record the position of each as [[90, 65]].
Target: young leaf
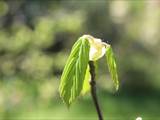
[[86, 85], [73, 75], [112, 66]]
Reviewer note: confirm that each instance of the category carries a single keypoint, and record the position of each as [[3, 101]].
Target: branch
[[93, 90]]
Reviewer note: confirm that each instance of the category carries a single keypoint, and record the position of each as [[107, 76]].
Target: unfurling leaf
[[97, 47], [86, 85], [112, 66], [73, 75]]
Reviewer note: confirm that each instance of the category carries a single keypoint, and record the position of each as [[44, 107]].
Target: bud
[[97, 47], [138, 118]]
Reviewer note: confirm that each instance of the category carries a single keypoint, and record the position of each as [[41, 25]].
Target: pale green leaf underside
[[86, 85], [73, 75], [112, 66]]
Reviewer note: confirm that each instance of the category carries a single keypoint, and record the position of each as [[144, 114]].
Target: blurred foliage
[[35, 40]]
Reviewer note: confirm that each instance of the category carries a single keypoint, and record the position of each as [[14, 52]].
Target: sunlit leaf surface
[[86, 85], [112, 66], [74, 72]]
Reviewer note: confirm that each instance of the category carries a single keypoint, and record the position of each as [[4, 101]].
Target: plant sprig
[[76, 71]]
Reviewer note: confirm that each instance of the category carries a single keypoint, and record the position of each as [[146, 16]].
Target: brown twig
[[93, 90]]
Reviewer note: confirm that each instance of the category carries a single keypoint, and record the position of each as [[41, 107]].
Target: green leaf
[[86, 85], [73, 75], [112, 66]]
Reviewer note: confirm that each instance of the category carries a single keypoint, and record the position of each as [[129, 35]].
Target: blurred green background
[[35, 40]]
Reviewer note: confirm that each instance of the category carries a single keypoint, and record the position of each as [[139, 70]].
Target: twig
[[93, 90]]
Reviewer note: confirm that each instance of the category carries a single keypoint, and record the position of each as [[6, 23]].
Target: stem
[[93, 90]]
